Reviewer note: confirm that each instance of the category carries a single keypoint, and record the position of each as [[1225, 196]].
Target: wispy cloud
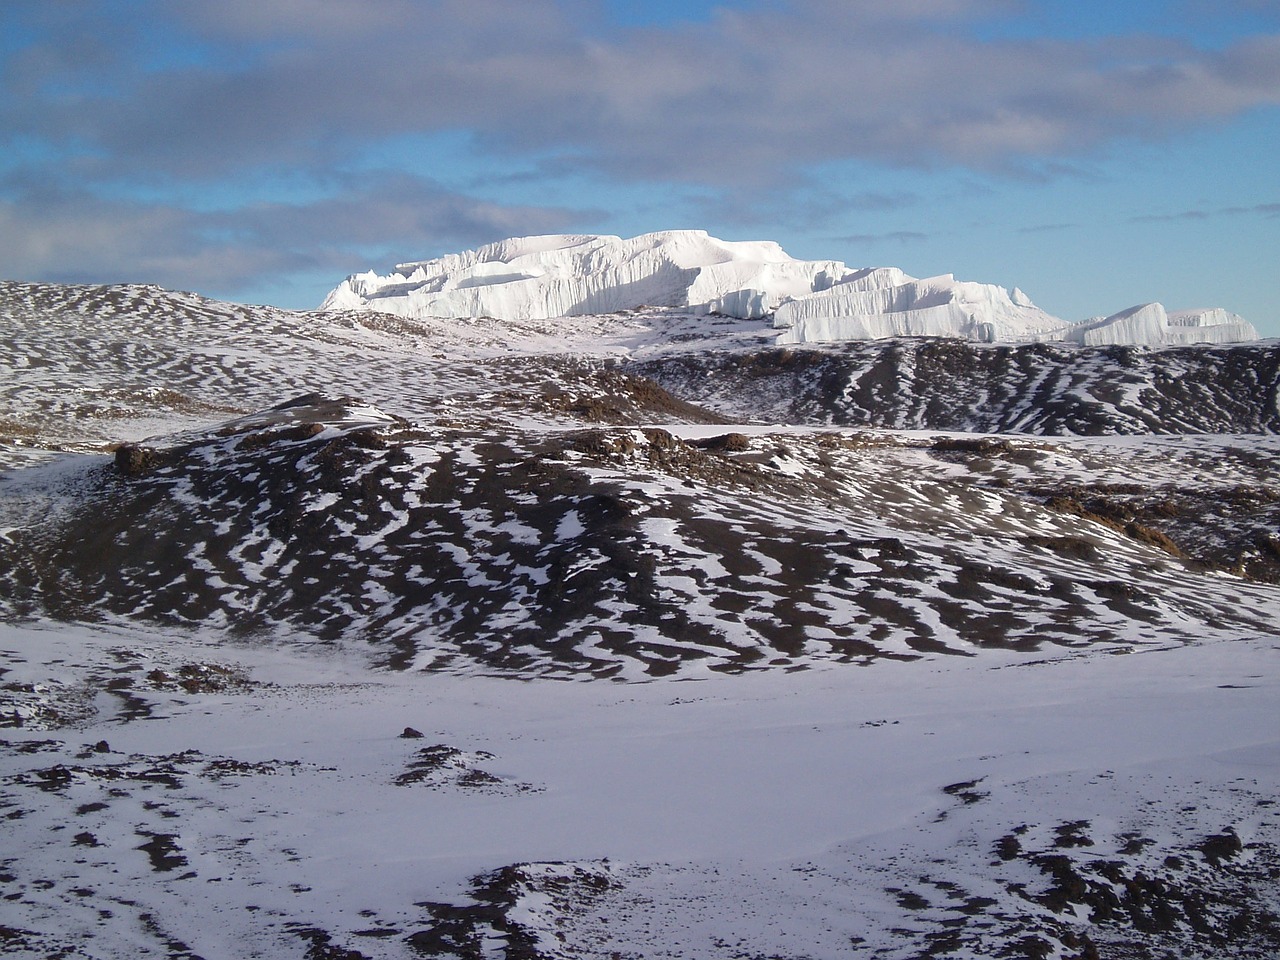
[[805, 204], [876, 202], [1268, 210], [899, 236], [1048, 227]]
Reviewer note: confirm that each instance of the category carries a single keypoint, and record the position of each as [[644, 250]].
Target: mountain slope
[[288, 602], [1045, 389], [615, 551], [95, 365]]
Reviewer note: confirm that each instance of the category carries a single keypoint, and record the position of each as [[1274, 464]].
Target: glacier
[[873, 304], [1151, 323], [541, 278], [807, 301]]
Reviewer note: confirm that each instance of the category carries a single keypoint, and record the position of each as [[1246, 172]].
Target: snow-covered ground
[[827, 813], [502, 651], [90, 366]]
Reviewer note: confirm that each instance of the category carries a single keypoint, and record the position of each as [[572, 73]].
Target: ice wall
[[888, 303], [1149, 323], [541, 278]]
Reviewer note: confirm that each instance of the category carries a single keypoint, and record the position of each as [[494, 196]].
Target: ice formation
[[1150, 323], [885, 302], [541, 278]]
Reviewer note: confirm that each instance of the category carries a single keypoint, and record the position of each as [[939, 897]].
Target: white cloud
[[73, 236], [747, 97]]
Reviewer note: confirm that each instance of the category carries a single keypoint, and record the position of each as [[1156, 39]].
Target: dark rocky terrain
[[585, 550], [1044, 389]]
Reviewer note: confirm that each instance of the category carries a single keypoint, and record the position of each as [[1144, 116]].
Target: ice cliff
[[541, 278], [1150, 323], [871, 304]]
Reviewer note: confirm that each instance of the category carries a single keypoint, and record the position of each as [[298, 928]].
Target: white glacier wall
[[1214, 325], [541, 278], [1145, 323], [888, 303], [1150, 323]]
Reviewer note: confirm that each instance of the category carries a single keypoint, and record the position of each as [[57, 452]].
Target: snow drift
[[542, 278]]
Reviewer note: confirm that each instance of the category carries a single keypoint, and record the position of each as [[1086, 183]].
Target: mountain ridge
[[150, 362]]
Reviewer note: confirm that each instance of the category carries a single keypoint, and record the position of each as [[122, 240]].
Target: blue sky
[[1097, 155]]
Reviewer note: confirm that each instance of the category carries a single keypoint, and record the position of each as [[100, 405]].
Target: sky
[[1095, 154]]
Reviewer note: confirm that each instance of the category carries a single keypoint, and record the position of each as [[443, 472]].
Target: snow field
[[772, 811]]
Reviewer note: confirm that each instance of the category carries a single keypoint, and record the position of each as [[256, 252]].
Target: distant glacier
[[807, 301]]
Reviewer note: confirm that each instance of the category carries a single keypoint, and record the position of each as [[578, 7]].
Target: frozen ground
[[625, 552], [504, 650], [89, 366], [171, 794]]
